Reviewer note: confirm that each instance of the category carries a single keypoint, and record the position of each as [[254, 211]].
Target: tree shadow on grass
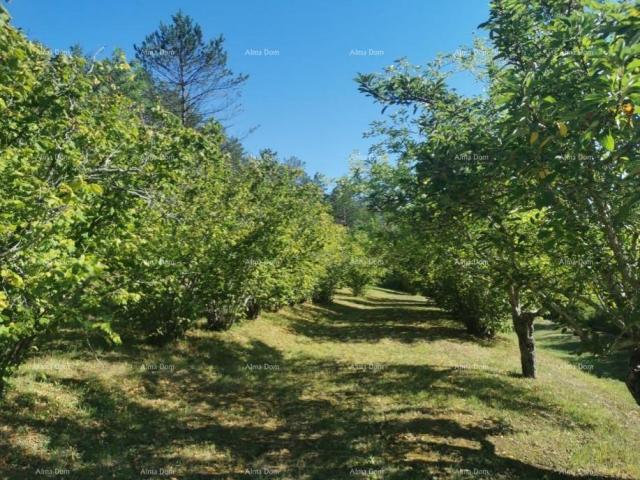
[[315, 432], [230, 410], [330, 434], [396, 293], [382, 303], [611, 365], [345, 323]]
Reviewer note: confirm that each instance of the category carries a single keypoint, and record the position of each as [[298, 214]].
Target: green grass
[[385, 386]]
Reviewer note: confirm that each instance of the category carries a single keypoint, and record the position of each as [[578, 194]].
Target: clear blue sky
[[304, 99]]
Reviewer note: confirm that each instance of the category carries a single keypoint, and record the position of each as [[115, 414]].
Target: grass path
[[384, 386]]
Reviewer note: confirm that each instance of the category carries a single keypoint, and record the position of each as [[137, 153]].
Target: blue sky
[[303, 98]]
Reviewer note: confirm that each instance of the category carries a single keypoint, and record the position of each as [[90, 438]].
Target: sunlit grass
[[385, 386]]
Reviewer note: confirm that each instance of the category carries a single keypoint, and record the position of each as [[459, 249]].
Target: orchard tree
[[569, 85], [73, 178], [543, 166], [463, 171]]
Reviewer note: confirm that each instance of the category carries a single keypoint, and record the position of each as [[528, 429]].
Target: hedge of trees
[[118, 217], [525, 201]]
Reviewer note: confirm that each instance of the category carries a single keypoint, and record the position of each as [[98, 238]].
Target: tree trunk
[[633, 377], [252, 308], [523, 325], [12, 358], [477, 328]]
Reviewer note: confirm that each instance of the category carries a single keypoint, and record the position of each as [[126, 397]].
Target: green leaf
[[12, 278], [95, 188], [105, 328], [634, 64], [608, 142], [563, 129]]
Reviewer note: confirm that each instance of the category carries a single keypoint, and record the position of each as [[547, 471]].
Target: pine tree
[[190, 76]]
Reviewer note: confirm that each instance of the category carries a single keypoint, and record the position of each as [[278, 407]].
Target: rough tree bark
[[523, 325]]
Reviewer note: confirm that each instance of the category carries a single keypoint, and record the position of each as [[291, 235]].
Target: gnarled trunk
[[523, 325], [633, 377]]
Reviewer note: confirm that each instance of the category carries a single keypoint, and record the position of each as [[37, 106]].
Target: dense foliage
[[526, 198], [116, 218]]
